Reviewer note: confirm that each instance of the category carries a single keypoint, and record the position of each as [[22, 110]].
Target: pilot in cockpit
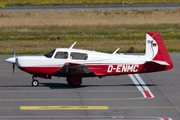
[[65, 55]]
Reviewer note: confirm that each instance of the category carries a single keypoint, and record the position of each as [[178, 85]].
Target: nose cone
[[11, 60]]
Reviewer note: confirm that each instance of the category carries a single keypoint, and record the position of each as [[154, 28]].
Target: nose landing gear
[[34, 83]]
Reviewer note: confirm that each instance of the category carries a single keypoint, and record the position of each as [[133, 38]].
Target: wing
[[74, 68]]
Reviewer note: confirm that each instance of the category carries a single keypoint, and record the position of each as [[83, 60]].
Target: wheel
[[71, 84], [76, 85], [35, 83]]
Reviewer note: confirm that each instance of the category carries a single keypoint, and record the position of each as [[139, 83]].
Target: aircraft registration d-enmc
[[75, 64]]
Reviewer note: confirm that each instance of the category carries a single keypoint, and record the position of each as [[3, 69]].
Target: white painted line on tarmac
[[137, 84], [142, 87]]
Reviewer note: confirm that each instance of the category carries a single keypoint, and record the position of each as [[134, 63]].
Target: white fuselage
[[93, 58]]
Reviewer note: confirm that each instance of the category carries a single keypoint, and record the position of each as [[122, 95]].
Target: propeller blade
[[13, 68], [14, 55], [14, 52], [13, 59]]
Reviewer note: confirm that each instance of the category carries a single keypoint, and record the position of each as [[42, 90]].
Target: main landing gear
[[35, 83], [74, 81], [70, 82]]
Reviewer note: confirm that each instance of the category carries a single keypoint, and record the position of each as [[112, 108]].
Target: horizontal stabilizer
[[160, 62]]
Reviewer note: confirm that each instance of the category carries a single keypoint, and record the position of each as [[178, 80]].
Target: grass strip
[[38, 32], [83, 33], [99, 38], [43, 46]]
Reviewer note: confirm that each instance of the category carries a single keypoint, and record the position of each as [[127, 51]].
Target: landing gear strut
[[70, 82], [35, 83]]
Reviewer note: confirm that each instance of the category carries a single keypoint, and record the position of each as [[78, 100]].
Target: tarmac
[[91, 7], [150, 96]]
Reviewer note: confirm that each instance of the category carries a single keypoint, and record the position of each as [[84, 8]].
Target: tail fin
[[156, 50]]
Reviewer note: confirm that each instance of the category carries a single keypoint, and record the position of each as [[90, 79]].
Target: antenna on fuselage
[[115, 51], [72, 45]]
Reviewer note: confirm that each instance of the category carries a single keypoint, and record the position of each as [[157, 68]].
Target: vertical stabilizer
[[156, 49]]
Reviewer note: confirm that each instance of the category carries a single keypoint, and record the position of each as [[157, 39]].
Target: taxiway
[[134, 97], [92, 7]]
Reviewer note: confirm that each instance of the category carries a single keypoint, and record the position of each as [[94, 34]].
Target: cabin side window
[[79, 56], [61, 55]]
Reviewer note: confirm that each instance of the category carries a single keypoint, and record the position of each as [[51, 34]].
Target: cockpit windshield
[[49, 54]]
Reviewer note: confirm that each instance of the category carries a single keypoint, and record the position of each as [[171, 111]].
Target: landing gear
[[35, 83], [73, 85], [70, 82]]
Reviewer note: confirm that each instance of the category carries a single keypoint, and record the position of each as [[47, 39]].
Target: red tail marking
[[162, 54]]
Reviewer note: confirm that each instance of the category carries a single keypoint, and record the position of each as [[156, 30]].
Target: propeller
[[13, 59]]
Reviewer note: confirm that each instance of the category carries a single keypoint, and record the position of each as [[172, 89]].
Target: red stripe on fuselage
[[101, 70], [127, 68], [40, 70]]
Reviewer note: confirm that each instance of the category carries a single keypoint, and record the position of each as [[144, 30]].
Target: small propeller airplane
[[75, 64]]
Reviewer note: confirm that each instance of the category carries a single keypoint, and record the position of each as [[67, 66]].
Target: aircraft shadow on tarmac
[[66, 86]]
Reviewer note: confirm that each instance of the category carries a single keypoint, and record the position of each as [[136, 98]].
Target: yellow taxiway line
[[82, 107], [64, 108]]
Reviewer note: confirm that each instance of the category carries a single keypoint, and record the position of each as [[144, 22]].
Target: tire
[[76, 85], [35, 83], [71, 84]]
